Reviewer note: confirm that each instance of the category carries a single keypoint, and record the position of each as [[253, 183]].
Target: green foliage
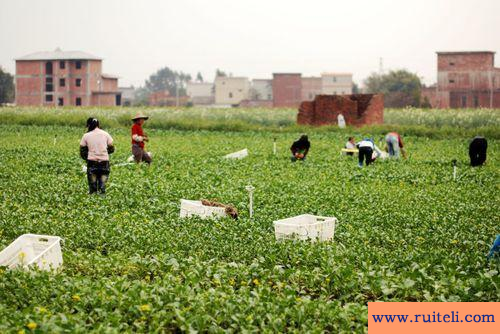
[[220, 73], [463, 123], [7, 89], [407, 232], [400, 88], [166, 79], [199, 77]]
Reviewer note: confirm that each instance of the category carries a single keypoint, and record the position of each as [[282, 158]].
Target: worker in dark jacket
[[300, 148], [477, 151]]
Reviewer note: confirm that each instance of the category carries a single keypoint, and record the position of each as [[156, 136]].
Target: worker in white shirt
[[366, 148]]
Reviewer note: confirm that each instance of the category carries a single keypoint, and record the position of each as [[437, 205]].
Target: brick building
[[63, 78], [311, 86], [287, 89], [466, 80]]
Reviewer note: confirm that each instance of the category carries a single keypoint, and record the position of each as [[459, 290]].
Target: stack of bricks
[[357, 109]]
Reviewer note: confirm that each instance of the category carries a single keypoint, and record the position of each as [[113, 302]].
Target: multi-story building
[[311, 86], [467, 80], [64, 78], [287, 90], [231, 90], [201, 93], [336, 83]]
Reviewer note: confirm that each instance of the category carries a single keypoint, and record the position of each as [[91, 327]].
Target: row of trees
[[400, 88], [6, 87]]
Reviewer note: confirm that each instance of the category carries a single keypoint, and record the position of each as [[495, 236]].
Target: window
[[49, 85], [464, 101], [62, 82], [452, 81], [269, 97], [334, 79], [48, 98], [230, 95], [78, 64], [78, 101], [60, 101], [78, 82], [62, 64], [452, 63], [48, 68]]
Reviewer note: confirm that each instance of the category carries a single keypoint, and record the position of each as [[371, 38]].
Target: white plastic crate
[[196, 208], [305, 227], [43, 251], [237, 155]]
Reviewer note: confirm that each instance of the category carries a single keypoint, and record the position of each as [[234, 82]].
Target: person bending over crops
[[300, 148], [95, 147], [366, 147], [138, 139], [477, 151], [394, 145]]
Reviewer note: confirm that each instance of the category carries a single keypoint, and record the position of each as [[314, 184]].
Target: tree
[[220, 73], [6, 87], [199, 77], [141, 97], [400, 88], [355, 88], [167, 79]]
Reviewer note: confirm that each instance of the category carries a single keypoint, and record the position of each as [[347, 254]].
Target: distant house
[[64, 78], [311, 86], [163, 98], [231, 90], [262, 90], [467, 79], [201, 93], [336, 83], [128, 95], [287, 90]]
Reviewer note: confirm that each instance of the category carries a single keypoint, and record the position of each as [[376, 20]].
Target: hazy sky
[[250, 38]]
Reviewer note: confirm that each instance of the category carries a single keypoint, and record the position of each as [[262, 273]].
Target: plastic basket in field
[[237, 155], [305, 227], [43, 251], [196, 208]]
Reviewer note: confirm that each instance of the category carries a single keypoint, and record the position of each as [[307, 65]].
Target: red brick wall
[[466, 62], [287, 89], [357, 109], [109, 85], [103, 99]]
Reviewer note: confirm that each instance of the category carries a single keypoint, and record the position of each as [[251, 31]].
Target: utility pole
[[381, 66], [177, 92]]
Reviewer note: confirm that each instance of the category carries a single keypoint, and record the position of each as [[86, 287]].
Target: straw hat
[[140, 115]]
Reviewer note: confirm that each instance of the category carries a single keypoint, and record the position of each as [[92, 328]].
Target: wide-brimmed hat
[[139, 116]]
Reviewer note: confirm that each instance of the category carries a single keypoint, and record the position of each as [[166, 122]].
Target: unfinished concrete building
[[467, 80]]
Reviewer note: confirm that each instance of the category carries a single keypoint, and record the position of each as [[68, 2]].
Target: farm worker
[[300, 148], [95, 147], [139, 138], [477, 151], [495, 249], [394, 145], [350, 145], [366, 147]]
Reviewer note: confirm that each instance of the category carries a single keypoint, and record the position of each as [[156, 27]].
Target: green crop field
[[407, 231]]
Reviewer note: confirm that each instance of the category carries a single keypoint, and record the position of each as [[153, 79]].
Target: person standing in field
[[366, 147], [477, 151], [395, 145], [300, 148], [138, 140], [95, 147]]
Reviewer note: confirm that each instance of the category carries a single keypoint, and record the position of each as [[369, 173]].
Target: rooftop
[[58, 54], [336, 73]]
